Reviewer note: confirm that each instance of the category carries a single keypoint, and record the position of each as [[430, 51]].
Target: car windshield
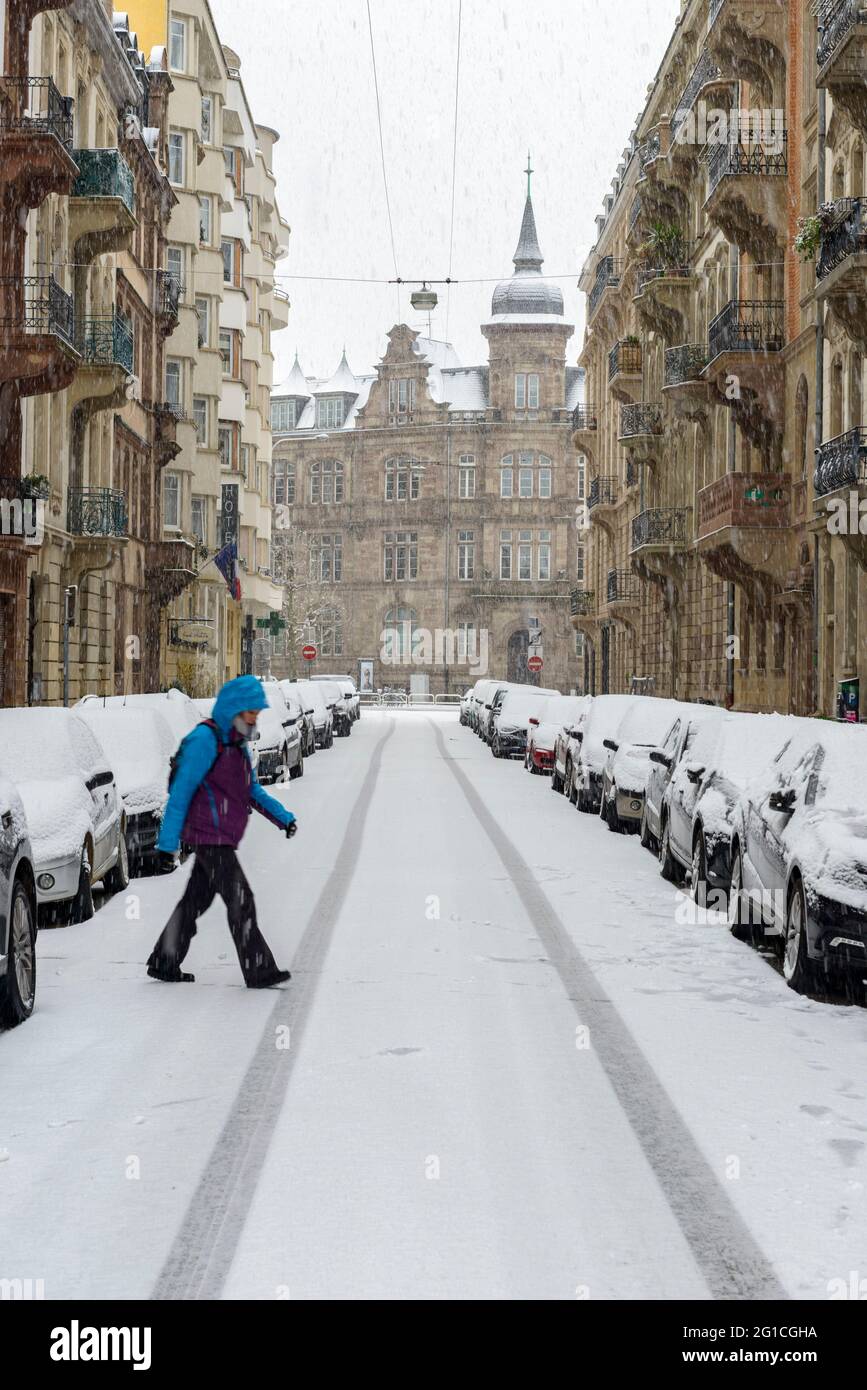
[[132, 745], [646, 722], [35, 745], [603, 721]]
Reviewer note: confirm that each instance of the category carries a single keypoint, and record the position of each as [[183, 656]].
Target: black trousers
[[216, 870]]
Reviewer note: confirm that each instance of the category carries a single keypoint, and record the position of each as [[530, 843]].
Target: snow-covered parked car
[[74, 814], [627, 767], [323, 723], [339, 704], [138, 745], [17, 911], [699, 801], [292, 690], [178, 710], [566, 745], [664, 760], [799, 851], [584, 773], [511, 719], [279, 743], [560, 712], [348, 691], [490, 709]]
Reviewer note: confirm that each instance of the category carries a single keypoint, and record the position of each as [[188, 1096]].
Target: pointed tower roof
[[528, 255], [296, 383], [342, 382], [528, 294]]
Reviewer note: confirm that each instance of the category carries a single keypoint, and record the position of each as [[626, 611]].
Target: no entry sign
[[309, 652], [535, 663]]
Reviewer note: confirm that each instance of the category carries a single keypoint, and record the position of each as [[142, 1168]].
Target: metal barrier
[[399, 699]]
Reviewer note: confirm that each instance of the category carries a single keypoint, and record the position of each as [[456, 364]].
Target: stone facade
[[427, 512]]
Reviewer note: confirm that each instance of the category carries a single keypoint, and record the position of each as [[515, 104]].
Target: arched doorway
[[518, 672]]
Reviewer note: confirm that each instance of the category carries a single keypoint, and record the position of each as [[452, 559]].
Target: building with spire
[[427, 515]]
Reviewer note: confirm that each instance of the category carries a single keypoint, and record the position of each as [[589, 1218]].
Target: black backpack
[[175, 759]]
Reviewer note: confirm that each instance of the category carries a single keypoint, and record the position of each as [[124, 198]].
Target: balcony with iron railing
[[684, 365], [747, 326], [661, 528], [585, 419], [640, 422], [623, 589], [649, 151], [841, 462], [96, 511], [582, 603], [35, 140], [102, 205], [107, 341], [33, 107], [37, 327], [842, 26], [625, 362], [706, 73], [841, 272], [747, 192], [608, 275], [169, 291], [602, 495]]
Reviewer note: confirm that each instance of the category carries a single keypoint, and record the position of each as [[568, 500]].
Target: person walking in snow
[[212, 790]]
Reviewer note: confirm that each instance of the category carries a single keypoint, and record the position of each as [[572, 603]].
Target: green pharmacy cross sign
[[274, 623]]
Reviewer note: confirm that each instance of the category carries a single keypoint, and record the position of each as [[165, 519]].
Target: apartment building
[[225, 237], [700, 353]]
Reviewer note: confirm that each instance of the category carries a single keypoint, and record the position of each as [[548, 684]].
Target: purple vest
[[220, 808]]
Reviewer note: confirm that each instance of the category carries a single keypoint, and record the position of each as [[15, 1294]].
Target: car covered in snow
[[545, 727], [348, 691], [17, 911], [75, 815], [566, 746], [319, 703], [663, 762], [292, 691], [178, 710], [586, 766], [138, 745], [278, 746], [699, 801], [511, 719], [494, 696], [627, 767], [339, 704], [799, 851]]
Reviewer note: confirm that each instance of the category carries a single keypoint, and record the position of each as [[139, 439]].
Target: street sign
[[309, 652], [535, 663]]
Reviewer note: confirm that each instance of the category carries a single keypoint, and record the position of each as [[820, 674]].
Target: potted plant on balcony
[[812, 229], [665, 245], [36, 485]]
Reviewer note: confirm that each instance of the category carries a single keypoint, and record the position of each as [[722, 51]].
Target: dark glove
[[291, 828], [166, 863]]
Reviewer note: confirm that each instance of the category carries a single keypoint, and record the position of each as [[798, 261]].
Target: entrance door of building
[[518, 673]]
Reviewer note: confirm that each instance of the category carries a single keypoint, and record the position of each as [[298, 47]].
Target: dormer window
[[401, 399], [282, 416], [330, 413]]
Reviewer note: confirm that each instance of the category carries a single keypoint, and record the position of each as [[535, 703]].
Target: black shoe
[[276, 977], [171, 977]]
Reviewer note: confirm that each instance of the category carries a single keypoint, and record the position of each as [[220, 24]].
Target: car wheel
[[298, 770], [495, 747], [18, 990], [556, 780], [668, 865], [799, 972], [80, 908], [740, 908], [609, 814], [570, 790], [119, 877], [698, 886], [648, 840]]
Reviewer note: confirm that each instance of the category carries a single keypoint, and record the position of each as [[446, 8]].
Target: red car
[[559, 713]]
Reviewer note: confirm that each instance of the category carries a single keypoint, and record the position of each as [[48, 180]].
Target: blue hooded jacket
[[207, 795]]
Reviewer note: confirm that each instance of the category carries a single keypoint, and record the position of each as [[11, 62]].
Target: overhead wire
[[382, 151], [454, 166]]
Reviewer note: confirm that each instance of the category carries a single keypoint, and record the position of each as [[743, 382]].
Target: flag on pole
[[226, 561]]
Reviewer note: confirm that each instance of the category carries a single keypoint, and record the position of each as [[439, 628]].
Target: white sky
[[564, 78]]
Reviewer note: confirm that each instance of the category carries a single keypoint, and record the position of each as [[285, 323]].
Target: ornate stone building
[[427, 511], [701, 361]]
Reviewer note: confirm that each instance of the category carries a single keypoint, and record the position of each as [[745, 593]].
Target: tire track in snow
[[731, 1261], [204, 1247]]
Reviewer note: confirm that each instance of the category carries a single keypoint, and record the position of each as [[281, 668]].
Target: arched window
[[329, 632], [403, 479], [401, 636], [802, 399], [326, 481]]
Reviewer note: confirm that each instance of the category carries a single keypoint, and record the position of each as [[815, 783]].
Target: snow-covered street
[[506, 1066]]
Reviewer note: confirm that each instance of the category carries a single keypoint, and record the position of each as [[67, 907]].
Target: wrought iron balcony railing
[[747, 325], [585, 417], [582, 602], [685, 363], [836, 19], [767, 158], [841, 462], [650, 149], [42, 306], [660, 526], [683, 271], [104, 174], [169, 290], [96, 511], [108, 342], [34, 106], [622, 587], [608, 273], [639, 420], [624, 357], [603, 493], [634, 214], [705, 71], [845, 236]]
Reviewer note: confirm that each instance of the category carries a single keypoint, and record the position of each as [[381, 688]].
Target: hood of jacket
[[244, 692]]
